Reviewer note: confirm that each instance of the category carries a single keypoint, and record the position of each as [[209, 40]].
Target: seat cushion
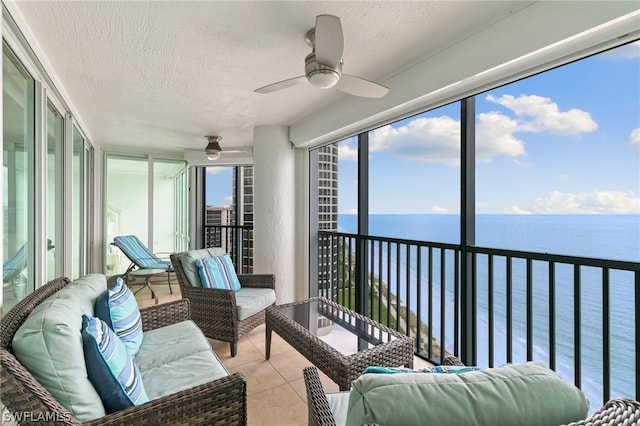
[[250, 301], [509, 395], [50, 340], [110, 367], [170, 343], [176, 357], [184, 373], [118, 308], [188, 260]]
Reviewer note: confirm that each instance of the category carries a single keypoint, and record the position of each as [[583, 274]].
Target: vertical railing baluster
[[430, 301], [474, 307], [637, 315], [389, 307], [398, 316], [491, 308], [552, 315], [509, 309], [529, 308], [408, 301], [577, 326], [380, 281], [456, 303], [419, 301], [372, 274], [443, 303], [606, 344]]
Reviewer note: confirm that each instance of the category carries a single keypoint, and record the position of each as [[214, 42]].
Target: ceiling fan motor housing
[[319, 75]]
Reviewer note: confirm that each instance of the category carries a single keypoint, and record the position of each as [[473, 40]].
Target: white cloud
[[516, 210], [217, 170], [347, 152], [228, 199], [437, 139], [596, 201], [438, 209], [541, 114], [495, 136], [634, 138], [628, 51], [351, 211], [426, 139]]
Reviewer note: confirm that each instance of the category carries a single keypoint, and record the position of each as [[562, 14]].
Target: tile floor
[[275, 388]]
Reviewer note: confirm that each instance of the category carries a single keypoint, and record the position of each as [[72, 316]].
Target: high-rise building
[[217, 236], [328, 219], [244, 175]]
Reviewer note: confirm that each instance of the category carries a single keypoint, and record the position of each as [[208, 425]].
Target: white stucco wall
[[274, 208]]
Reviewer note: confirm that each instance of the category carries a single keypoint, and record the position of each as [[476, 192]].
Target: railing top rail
[[447, 246], [547, 257]]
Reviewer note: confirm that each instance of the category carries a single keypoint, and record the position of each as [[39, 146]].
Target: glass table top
[[338, 329]]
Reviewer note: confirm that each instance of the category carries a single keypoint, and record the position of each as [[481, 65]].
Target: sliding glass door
[[18, 165]]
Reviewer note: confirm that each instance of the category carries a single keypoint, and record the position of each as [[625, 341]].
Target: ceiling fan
[[213, 149], [323, 66]]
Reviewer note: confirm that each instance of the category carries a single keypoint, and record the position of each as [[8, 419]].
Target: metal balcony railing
[[237, 240], [579, 316]]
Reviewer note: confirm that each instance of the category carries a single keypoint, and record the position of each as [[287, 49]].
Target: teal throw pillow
[[218, 272], [110, 367], [118, 308]]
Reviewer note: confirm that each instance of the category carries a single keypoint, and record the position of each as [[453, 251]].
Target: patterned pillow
[[110, 367], [118, 308], [218, 272]]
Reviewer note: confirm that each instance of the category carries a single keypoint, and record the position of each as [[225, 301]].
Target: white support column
[[274, 220]]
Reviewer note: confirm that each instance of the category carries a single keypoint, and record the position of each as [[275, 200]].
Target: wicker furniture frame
[[222, 401], [620, 411], [342, 369], [215, 311]]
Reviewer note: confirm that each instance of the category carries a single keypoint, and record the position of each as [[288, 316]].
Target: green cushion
[[188, 260], [185, 337], [50, 341], [509, 395], [250, 301], [192, 370]]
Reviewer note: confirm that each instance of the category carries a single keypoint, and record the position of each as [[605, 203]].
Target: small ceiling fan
[[213, 149], [323, 66]]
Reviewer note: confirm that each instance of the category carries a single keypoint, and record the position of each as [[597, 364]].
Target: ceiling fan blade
[[329, 40], [281, 84], [360, 87]]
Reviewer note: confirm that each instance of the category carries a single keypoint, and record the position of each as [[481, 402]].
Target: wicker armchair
[[222, 401], [620, 411], [215, 311]]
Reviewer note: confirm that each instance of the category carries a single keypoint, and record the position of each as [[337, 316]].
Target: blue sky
[[566, 141]]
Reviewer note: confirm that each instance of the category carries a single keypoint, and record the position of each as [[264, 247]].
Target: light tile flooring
[[275, 388]]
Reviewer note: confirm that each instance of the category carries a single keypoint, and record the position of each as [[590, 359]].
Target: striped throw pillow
[[110, 367], [218, 272], [118, 308]]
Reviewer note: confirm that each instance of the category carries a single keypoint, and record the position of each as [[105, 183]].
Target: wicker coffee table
[[340, 342]]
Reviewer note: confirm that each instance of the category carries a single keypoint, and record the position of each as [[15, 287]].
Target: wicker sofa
[[209, 401], [331, 409]]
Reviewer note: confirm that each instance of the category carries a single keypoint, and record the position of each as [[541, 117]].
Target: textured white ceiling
[[162, 75]]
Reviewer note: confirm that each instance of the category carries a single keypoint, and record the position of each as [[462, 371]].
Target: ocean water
[[615, 237]]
